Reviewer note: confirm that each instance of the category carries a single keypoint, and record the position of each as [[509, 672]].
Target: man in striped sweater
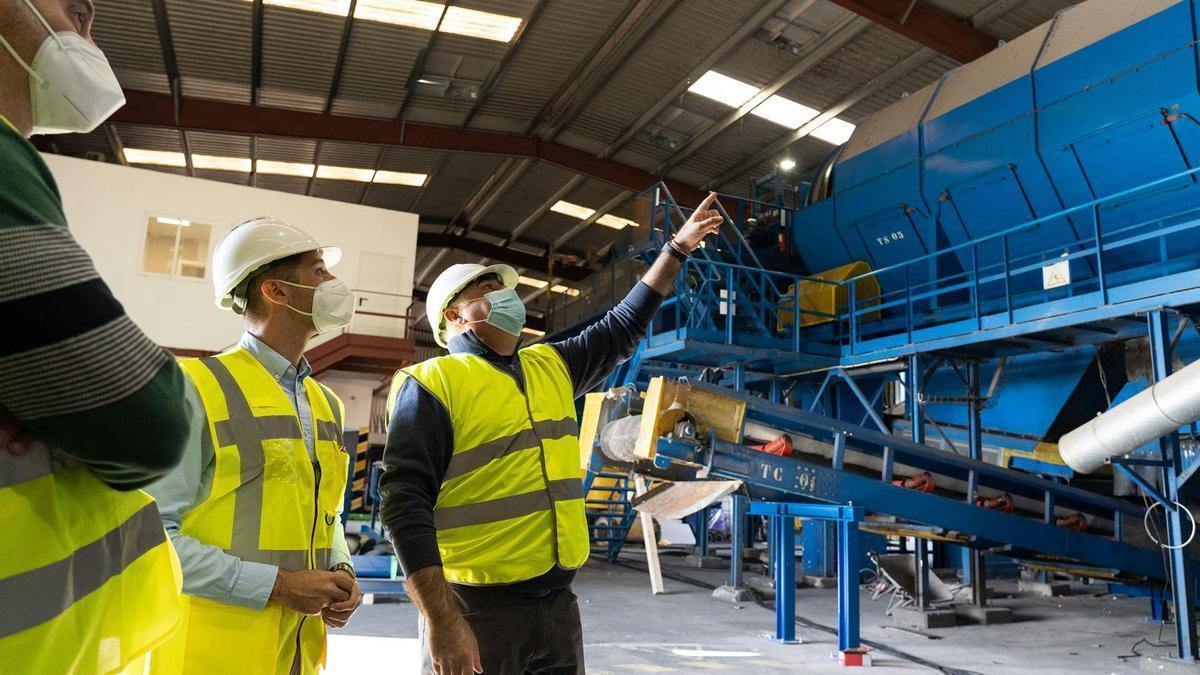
[[90, 408]]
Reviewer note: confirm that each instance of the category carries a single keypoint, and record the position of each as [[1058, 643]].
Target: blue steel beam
[[802, 480]]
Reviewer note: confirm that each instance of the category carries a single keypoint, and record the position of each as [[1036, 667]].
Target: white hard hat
[[258, 242], [450, 282]]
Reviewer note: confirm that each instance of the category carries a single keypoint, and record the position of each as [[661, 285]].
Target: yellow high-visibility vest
[[511, 503], [269, 503], [89, 582]]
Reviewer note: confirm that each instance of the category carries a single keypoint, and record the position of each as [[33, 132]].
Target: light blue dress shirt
[[208, 571]]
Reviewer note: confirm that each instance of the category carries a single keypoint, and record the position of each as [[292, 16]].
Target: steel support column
[[917, 423], [1185, 611], [976, 565], [848, 616], [783, 531], [737, 539]]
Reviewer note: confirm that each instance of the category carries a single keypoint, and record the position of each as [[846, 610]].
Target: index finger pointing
[[712, 197]]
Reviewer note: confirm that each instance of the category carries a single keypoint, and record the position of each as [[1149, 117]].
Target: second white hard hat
[[450, 282], [258, 242]]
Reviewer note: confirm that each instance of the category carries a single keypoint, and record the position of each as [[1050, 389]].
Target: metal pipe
[[1169, 404]]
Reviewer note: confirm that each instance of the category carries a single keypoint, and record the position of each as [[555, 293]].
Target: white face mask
[[72, 87], [332, 307]]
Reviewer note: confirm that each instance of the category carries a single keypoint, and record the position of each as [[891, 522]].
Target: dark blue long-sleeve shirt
[[421, 440]]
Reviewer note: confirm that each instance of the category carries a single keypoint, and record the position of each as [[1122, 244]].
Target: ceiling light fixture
[[787, 164], [401, 178], [284, 168], [335, 7], [609, 220], [530, 281], [723, 89], [834, 131], [784, 112], [411, 13], [345, 173], [156, 157], [215, 163], [574, 210], [416, 14], [484, 25]]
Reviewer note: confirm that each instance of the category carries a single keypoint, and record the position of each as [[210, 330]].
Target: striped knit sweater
[[73, 367]]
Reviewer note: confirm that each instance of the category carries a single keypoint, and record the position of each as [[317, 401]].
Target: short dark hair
[[286, 269], [478, 280]]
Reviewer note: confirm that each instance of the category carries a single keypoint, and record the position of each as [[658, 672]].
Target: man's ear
[[273, 292], [451, 316]]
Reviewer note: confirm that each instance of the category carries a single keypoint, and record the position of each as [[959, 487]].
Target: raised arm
[[593, 354]]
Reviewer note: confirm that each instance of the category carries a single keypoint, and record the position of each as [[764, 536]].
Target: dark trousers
[[520, 633]]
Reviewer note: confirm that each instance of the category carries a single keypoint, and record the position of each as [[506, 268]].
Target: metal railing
[[724, 289], [1012, 283]]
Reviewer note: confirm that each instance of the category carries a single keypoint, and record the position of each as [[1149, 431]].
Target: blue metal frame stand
[[783, 530], [738, 538], [1185, 610]]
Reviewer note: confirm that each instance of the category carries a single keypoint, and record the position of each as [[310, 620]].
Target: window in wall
[[176, 248]]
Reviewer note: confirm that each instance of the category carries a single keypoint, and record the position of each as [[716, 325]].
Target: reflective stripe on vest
[[249, 433], [75, 557], [511, 503], [268, 502]]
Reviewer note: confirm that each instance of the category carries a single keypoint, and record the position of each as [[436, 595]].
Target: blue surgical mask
[[508, 311]]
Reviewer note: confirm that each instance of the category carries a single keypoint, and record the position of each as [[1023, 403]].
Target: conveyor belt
[[1026, 534]]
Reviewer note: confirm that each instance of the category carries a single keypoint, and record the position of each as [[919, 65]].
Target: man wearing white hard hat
[[255, 507], [481, 487]]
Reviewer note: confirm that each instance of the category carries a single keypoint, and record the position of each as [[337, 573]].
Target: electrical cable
[[1146, 524], [808, 623]]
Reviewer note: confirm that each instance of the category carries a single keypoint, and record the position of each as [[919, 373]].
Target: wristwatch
[[344, 567]]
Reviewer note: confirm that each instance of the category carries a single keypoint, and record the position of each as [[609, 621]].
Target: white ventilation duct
[[1153, 413]]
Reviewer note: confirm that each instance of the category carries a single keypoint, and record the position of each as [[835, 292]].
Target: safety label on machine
[[1056, 274]]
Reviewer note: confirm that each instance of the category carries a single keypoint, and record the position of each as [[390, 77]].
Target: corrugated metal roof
[[339, 190], [747, 136], [150, 138], [1025, 17], [212, 46], [411, 160], [657, 65], [537, 185], [455, 182], [126, 31], [354, 155], [287, 149], [292, 184], [591, 193], [299, 54], [548, 54], [219, 145], [396, 197], [234, 177], [378, 62], [79, 145]]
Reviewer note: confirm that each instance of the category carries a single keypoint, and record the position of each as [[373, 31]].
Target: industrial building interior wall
[[356, 391], [131, 222]]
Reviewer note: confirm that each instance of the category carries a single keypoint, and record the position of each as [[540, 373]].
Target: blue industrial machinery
[[984, 266]]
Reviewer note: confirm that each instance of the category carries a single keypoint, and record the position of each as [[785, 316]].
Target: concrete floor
[[627, 630]]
